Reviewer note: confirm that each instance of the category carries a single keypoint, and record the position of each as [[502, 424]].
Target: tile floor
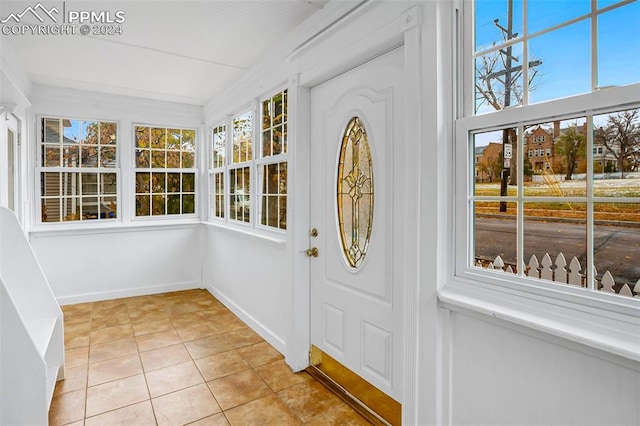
[[180, 358]]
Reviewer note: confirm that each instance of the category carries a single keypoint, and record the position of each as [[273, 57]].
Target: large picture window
[[165, 171], [552, 192], [78, 170]]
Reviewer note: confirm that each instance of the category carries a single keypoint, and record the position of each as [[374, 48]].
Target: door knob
[[312, 252]]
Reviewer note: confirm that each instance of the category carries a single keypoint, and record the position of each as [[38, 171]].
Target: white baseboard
[[129, 292], [273, 339]]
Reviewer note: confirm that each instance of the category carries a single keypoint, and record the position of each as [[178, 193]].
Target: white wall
[[106, 264], [103, 260], [249, 275], [504, 375]]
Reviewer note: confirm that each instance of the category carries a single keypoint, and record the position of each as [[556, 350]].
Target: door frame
[[403, 30], [10, 122]]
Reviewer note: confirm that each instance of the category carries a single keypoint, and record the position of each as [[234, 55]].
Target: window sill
[[264, 236], [596, 327], [110, 227]]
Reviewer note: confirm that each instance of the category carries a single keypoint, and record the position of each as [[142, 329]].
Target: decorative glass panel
[[355, 193]]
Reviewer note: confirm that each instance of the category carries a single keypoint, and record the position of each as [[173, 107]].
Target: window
[[240, 168], [272, 167], [239, 158], [539, 139], [530, 153], [557, 230], [78, 170], [165, 171], [217, 169]]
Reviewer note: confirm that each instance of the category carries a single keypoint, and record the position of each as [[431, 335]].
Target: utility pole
[[507, 76], [506, 162]]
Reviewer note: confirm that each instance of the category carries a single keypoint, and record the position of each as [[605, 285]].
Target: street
[[617, 248]]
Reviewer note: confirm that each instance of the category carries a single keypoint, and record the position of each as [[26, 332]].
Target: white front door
[[356, 286]]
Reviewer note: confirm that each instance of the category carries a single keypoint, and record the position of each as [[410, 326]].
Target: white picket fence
[[561, 272]]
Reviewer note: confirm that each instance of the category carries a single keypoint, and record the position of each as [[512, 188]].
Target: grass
[[619, 212]]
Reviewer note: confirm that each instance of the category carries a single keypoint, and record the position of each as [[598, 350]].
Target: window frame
[[256, 166], [135, 169], [40, 169], [263, 161], [608, 322]]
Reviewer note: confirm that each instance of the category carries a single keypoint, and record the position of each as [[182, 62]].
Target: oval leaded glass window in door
[[355, 193]]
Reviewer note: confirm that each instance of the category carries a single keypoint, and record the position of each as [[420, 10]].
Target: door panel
[[356, 312]]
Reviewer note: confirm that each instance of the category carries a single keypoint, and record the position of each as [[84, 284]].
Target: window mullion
[[525, 54], [591, 281], [594, 45], [521, 266]]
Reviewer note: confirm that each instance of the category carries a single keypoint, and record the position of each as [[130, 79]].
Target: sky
[[566, 52]]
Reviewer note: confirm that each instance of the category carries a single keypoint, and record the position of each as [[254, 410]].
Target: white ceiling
[[176, 50]]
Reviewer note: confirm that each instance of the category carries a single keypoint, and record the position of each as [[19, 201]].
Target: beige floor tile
[[164, 357], [309, 399], [74, 379], [343, 415], [114, 369], [269, 410], [279, 376], [215, 420], [140, 414], [208, 346], [226, 321], [239, 388], [197, 331], [160, 339], [106, 322], [142, 314], [182, 307], [116, 394], [76, 357], [118, 348], [259, 354], [147, 327], [149, 352], [185, 406], [77, 309], [76, 335], [171, 379], [207, 302], [187, 319], [220, 365], [67, 408], [110, 318], [110, 334], [243, 337], [71, 319]]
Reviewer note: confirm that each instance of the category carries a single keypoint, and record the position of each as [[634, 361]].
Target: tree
[[572, 145], [491, 166], [621, 137]]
